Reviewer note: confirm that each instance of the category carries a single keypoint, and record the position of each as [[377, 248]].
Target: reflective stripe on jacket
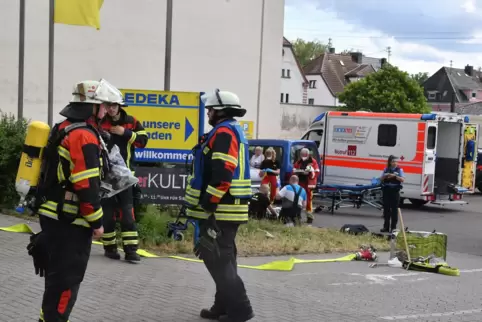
[[220, 181]]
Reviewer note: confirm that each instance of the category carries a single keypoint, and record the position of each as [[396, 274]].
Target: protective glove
[[37, 248], [207, 247]]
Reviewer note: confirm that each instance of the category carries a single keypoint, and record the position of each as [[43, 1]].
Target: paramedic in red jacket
[[127, 133], [306, 168]]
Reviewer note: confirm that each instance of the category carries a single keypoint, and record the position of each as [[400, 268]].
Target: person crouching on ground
[[260, 205], [293, 198], [392, 179], [270, 170]]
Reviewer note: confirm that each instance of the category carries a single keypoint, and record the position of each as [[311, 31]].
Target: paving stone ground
[[171, 290]]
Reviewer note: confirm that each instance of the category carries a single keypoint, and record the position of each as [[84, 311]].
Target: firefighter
[[68, 196], [217, 194], [308, 172], [127, 133]]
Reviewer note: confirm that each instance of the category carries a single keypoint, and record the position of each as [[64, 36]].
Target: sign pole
[[167, 55], [21, 59], [260, 68], [50, 99]]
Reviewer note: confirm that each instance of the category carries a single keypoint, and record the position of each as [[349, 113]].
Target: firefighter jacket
[[220, 181], [309, 179], [74, 195], [134, 135]]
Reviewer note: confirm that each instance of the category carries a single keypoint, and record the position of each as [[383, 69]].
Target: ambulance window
[[314, 135], [387, 135], [432, 135]]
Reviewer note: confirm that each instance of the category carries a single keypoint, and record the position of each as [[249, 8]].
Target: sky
[[424, 35]]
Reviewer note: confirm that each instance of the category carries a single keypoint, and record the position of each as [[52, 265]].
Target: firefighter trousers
[[309, 202], [231, 297], [68, 247], [120, 207]]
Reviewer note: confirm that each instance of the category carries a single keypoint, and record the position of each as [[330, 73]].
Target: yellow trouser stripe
[[109, 235], [129, 234], [130, 242], [53, 215], [219, 216]]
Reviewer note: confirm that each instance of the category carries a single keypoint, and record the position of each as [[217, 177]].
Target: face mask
[[304, 158]]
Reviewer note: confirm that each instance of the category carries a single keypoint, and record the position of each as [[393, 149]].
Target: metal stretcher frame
[[343, 196]]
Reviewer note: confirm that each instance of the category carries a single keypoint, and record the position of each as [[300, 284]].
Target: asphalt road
[[461, 223], [168, 290]]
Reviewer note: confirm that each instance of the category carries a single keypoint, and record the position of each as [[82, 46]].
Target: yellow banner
[[248, 128]]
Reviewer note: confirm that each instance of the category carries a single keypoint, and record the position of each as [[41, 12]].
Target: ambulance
[[437, 152]]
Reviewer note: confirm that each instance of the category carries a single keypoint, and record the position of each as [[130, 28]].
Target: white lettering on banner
[[163, 155], [166, 181]]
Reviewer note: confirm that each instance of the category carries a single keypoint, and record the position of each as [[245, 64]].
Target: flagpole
[[21, 59], [50, 99], [167, 55]]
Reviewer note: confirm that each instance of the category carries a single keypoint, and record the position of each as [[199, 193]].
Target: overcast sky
[[424, 35]]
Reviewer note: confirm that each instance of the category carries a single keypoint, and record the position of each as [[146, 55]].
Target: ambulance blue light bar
[[319, 117], [429, 117]]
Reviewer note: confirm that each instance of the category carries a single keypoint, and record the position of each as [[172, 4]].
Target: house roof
[[287, 43], [470, 109], [335, 69], [459, 81]]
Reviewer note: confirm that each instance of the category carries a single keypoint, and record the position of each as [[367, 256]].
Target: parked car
[[287, 152]]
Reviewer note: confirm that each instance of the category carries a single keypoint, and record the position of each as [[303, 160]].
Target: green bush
[[12, 136]]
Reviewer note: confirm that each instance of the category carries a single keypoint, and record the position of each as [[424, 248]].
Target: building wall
[[129, 51], [321, 94], [296, 119], [294, 84]]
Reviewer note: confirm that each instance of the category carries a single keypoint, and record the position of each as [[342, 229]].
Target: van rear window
[[277, 149]]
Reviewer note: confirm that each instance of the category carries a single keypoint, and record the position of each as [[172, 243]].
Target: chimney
[[331, 50], [357, 57], [469, 70], [383, 61]]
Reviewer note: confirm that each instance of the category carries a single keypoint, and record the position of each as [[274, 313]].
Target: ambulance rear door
[[430, 155]]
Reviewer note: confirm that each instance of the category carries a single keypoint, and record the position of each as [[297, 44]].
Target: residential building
[[221, 50], [329, 73], [294, 84], [462, 86]]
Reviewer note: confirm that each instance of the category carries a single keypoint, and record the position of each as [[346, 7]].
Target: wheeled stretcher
[[335, 196]]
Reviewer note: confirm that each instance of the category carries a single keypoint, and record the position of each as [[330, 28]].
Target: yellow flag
[[78, 12]]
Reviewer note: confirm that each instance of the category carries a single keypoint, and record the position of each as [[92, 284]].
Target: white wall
[[321, 93], [216, 43], [296, 119], [293, 85]]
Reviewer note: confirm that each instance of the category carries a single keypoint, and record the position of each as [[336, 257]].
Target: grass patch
[[252, 239]]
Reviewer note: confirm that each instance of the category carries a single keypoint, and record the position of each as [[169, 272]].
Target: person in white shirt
[[293, 198], [257, 158]]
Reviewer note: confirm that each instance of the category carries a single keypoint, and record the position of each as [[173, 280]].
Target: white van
[[355, 146]]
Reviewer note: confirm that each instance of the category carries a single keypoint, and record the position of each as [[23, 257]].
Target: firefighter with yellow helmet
[[217, 194], [68, 197]]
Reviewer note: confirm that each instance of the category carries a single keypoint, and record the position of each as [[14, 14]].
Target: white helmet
[[222, 100], [96, 92]]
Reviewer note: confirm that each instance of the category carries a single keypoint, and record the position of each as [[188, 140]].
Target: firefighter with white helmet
[[218, 192], [68, 197]]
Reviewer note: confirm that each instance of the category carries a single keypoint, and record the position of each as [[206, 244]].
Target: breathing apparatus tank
[[31, 161]]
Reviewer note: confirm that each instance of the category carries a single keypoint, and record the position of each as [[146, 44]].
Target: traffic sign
[[173, 122]]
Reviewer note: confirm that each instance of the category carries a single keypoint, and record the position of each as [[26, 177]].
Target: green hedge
[[12, 137]]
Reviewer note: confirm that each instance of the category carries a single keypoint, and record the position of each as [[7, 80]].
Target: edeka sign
[[164, 186], [248, 128], [173, 122]]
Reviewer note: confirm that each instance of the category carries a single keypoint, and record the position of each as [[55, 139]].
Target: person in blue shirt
[[391, 179], [293, 198]]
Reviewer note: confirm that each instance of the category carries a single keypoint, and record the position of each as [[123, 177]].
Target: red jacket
[[312, 178]]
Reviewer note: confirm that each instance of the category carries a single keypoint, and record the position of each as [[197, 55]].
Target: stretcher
[[335, 196]]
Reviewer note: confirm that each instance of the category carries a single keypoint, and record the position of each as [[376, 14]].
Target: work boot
[[384, 230], [211, 314], [226, 318], [112, 254], [132, 257]]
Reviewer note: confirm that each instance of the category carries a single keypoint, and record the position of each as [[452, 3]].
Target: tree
[[305, 51], [420, 77], [388, 90]]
